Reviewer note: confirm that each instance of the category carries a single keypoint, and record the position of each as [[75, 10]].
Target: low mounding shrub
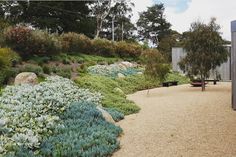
[[44, 43], [64, 71], [103, 47], [28, 42], [85, 133], [31, 68], [6, 74], [117, 116], [8, 58], [111, 99], [28, 113], [113, 70], [124, 49], [175, 76], [19, 39], [75, 43]]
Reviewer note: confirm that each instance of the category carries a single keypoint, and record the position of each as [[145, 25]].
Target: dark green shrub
[[3, 24], [75, 43], [103, 47], [6, 74], [40, 60], [156, 66], [38, 70], [64, 71], [46, 69], [124, 49], [85, 133], [66, 61]]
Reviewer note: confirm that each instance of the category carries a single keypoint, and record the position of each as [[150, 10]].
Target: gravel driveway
[[181, 121]]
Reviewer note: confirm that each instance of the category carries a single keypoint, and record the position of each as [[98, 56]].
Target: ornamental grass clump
[[30, 113]]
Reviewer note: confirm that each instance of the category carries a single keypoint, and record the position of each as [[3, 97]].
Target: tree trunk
[[203, 83], [99, 27], [122, 31]]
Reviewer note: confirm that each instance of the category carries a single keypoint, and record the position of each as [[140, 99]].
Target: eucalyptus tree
[[204, 50], [120, 15]]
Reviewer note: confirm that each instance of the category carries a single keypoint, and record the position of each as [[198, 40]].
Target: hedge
[[29, 42]]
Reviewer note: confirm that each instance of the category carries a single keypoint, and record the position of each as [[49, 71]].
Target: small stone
[[105, 115]]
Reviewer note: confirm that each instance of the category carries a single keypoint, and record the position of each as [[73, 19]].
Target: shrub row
[[27, 41]]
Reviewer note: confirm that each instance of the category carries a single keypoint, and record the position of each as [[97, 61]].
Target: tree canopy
[[56, 16], [152, 24], [204, 50], [121, 14]]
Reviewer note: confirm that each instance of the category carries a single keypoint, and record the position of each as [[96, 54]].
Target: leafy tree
[[156, 67], [56, 16], [152, 24], [168, 42], [204, 50], [121, 14]]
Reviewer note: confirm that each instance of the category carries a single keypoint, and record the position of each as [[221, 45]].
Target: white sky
[[223, 10]]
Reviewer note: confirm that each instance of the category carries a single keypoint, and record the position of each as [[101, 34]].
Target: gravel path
[[181, 121]]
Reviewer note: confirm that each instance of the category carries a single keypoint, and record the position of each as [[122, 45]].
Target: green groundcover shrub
[[83, 132], [28, 113], [175, 76], [108, 88], [117, 116], [38, 70]]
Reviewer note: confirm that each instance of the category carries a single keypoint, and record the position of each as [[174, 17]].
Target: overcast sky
[[181, 13]]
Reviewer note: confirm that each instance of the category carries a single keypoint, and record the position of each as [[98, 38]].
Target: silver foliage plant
[[28, 113]]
